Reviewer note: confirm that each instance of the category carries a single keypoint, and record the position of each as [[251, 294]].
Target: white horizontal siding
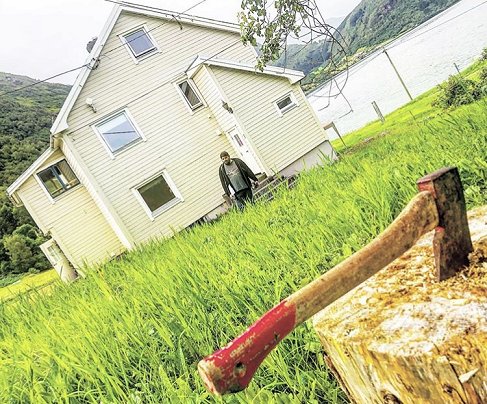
[[214, 98], [279, 140], [184, 144], [117, 79], [74, 220]]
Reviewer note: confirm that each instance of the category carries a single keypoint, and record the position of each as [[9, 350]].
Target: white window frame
[[112, 115], [288, 108], [145, 55], [164, 208], [43, 187], [185, 100]]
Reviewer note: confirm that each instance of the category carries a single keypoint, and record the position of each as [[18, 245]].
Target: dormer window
[[190, 95], [140, 43]]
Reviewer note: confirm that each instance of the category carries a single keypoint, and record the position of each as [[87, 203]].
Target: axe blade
[[451, 242]]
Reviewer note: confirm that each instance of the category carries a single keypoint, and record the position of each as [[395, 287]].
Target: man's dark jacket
[[244, 169]]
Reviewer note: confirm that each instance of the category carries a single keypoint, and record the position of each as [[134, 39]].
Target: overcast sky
[[41, 38]]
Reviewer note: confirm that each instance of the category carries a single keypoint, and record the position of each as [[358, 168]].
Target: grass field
[[28, 283], [414, 113], [134, 329]]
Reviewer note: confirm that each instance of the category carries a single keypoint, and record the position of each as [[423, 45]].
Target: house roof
[[30, 171], [292, 75], [61, 124]]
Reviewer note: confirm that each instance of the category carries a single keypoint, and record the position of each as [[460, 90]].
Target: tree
[[22, 247], [4, 260], [298, 18], [8, 222]]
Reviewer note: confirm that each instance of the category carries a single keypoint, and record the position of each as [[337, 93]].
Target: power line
[[148, 8], [438, 25], [368, 58], [162, 84], [140, 7], [43, 81], [170, 80]]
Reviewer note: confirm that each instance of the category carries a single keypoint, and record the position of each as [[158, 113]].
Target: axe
[[439, 205]]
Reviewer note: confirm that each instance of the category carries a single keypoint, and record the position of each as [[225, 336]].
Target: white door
[[242, 146], [58, 261]]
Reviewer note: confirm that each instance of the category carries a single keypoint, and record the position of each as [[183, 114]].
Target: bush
[[483, 56], [22, 247], [480, 90], [455, 92], [8, 222]]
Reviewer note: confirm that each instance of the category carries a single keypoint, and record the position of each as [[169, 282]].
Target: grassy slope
[[134, 330], [28, 283], [415, 113]]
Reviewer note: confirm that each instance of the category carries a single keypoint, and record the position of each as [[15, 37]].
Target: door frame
[[247, 144], [58, 260]]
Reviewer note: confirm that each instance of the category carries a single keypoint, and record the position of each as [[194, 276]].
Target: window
[[139, 43], [158, 194], [58, 178], [190, 95], [285, 104], [118, 132], [53, 254]]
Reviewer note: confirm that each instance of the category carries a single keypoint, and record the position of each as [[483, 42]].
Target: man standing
[[236, 174]]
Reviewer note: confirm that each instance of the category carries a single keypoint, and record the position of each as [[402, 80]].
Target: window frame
[[178, 198], [106, 119], [193, 86], [294, 103], [145, 54], [51, 198]]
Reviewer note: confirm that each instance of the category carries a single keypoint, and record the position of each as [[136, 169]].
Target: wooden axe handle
[[231, 368]]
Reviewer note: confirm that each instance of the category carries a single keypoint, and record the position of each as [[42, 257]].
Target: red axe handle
[[231, 368]]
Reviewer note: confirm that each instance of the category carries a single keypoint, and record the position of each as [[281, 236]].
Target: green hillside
[[371, 23], [25, 119], [375, 21]]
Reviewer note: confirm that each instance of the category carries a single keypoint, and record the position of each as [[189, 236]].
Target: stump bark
[[402, 337]]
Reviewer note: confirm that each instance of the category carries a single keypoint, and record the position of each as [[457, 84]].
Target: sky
[[41, 38]]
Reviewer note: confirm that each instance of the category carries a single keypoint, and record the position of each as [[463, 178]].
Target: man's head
[[225, 157]]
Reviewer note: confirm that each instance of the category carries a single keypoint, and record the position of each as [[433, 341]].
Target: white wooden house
[[134, 151]]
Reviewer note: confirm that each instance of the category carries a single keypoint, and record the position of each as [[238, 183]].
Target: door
[[241, 145], [58, 260]]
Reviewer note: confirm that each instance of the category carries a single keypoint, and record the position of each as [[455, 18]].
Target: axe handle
[[231, 368]]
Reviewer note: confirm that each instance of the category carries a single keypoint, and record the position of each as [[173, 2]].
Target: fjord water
[[424, 57]]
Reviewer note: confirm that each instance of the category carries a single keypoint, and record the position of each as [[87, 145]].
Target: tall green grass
[[134, 330]]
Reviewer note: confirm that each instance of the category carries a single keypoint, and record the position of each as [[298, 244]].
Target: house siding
[[252, 96], [118, 80], [208, 86], [186, 145], [73, 219]]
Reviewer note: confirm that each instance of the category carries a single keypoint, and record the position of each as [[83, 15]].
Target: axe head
[[451, 242]]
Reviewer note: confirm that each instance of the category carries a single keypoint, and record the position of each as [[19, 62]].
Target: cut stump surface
[[402, 337]]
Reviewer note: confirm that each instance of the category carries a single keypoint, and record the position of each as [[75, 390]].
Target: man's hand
[[255, 184]]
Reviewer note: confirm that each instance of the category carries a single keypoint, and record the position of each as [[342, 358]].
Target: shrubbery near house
[[19, 251]]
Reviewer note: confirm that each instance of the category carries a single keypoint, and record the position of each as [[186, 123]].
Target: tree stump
[[402, 337]]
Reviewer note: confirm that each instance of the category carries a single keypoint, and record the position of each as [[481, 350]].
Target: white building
[[135, 149]]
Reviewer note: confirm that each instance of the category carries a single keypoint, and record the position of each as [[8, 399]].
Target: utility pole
[[398, 75], [378, 111]]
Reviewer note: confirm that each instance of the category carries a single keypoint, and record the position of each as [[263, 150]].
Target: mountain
[[370, 24], [25, 118], [375, 21]]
